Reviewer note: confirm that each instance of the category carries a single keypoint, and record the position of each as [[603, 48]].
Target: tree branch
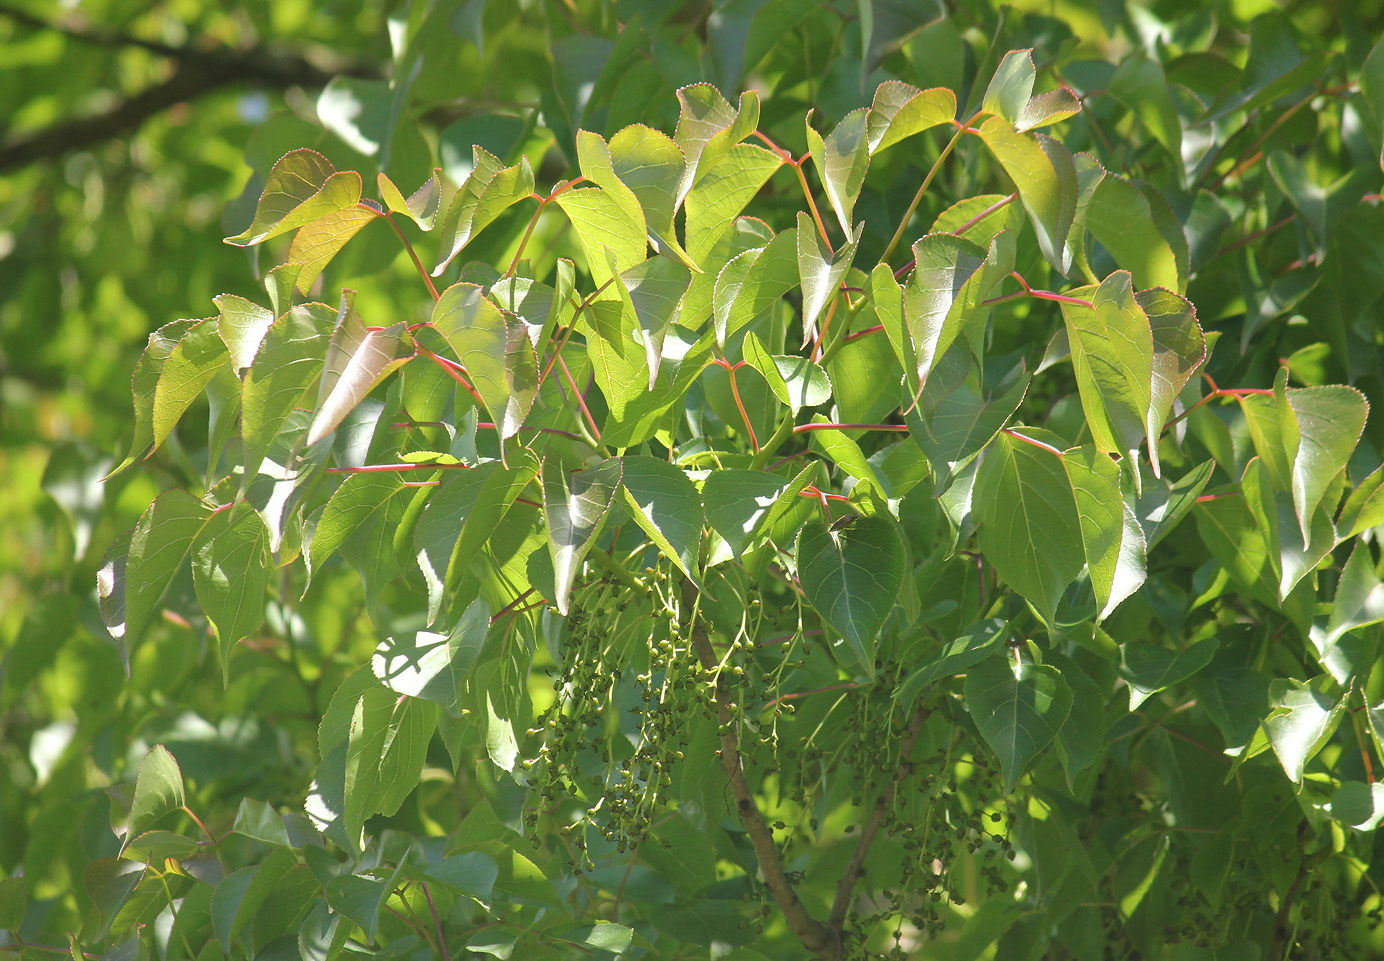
[[821, 940], [846, 888], [195, 73]]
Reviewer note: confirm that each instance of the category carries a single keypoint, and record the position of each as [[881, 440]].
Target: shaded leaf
[[665, 503], [242, 326], [231, 566], [1019, 707], [1148, 668], [158, 790], [652, 291], [955, 657], [852, 576]]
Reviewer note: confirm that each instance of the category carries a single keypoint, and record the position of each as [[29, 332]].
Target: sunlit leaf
[[317, 243], [497, 355], [900, 110], [575, 506], [301, 187], [357, 359], [841, 160]]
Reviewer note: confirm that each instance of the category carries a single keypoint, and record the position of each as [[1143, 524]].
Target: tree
[[754, 531]]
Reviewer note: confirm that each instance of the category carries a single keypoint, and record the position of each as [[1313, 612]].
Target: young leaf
[[357, 359], [665, 503], [315, 244], [708, 127], [575, 506], [841, 162], [300, 188], [820, 269], [1019, 707], [900, 110], [498, 356], [1029, 527], [945, 292], [489, 191], [422, 206], [852, 576]]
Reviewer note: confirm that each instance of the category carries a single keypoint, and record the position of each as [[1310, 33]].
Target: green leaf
[[719, 194], [1364, 508], [1330, 421], [900, 110], [576, 506], [459, 519], [1042, 171], [797, 381], [665, 503], [820, 269], [1110, 532], [617, 355], [489, 190], [144, 383], [1140, 84], [359, 899], [284, 370], [14, 903], [497, 355], [1119, 215], [737, 503], [231, 566], [606, 218], [357, 360], [422, 206], [1019, 707], [1011, 86], [188, 369], [1029, 525], [1359, 602], [359, 498], [433, 666], [155, 847], [158, 790], [1112, 353], [472, 874], [953, 429], [1048, 108], [1292, 557], [751, 282], [109, 883], [242, 326], [1148, 668], [652, 291], [708, 129], [300, 188], [600, 936], [841, 160], [944, 296], [955, 657], [256, 819], [1301, 722], [315, 244], [1160, 507], [161, 541], [852, 576], [1358, 804], [651, 165]]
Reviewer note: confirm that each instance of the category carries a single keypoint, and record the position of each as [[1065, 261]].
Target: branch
[[195, 72], [816, 937], [871, 828]]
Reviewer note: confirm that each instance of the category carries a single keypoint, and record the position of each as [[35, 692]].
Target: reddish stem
[[581, 401], [735, 392], [422, 272], [864, 333], [1036, 443], [804, 428], [454, 370], [820, 690], [984, 213]]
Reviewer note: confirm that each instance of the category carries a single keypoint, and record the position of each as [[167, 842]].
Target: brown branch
[[845, 889], [195, 72], [821, 940]]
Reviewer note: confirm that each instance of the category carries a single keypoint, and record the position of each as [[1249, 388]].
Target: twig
[[846, 887], [821, 940]]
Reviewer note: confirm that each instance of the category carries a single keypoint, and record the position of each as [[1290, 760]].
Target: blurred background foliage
[[136, 135]]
